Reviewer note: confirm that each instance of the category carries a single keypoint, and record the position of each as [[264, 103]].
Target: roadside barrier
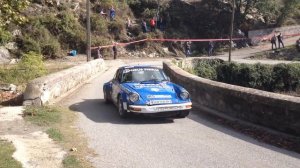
[[166, 40], [259, 38]]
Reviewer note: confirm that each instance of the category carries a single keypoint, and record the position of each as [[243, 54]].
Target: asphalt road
[[162, 143]]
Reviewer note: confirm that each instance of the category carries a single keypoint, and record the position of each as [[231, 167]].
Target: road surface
[[193, 142]]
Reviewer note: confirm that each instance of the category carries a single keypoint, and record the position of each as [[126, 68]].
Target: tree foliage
[[289, 8], [10, 11]]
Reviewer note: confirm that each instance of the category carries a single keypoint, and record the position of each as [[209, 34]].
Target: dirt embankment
[[33, 147]]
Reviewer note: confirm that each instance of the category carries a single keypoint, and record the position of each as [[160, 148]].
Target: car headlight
[[184, 95], [133, 97]]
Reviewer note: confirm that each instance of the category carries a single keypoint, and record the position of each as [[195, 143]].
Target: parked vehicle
[[146, 90]]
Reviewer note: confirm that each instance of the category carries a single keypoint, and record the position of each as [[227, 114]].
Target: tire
[[106, 99], [184, 114], [122, 112]]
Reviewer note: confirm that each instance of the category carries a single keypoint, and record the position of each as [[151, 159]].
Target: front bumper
[[159, 108]]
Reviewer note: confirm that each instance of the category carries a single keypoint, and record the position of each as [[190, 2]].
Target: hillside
[[54, 27]]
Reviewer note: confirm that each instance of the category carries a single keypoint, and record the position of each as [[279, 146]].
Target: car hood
[[148, 91]]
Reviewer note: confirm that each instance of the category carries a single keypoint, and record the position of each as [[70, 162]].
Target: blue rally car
[[146, 90]]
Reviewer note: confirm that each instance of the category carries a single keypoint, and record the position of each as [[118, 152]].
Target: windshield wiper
[[151, 80]]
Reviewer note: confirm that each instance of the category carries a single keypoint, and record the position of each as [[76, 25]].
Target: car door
[[116, 86]]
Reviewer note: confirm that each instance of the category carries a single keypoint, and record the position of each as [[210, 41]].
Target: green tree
[[10, 11], [290, 6], [269, 10]]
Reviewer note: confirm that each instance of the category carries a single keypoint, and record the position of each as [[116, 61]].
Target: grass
[[42, 116], [71, 161], [6, 152], [289, 53], [59, 126], [55, 134], [11, 74]]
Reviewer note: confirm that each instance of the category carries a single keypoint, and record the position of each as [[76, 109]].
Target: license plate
[[170, 108], [161, 101]]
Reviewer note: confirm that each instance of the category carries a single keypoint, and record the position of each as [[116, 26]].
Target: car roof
[[138, 66]]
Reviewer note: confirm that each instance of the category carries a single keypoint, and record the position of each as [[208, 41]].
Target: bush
[[264, 80], [5, 36], [41, 41], [51, 49], [286, 77], [31, 65], [227, 72], [27, 44], [52, 23], [149, 13], [98, 24], [281, 77], [207, 68], [73, 34], [116, 27]]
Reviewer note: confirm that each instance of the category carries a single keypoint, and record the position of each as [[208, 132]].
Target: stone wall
[[258, 36], [276, 111], [45, 89]]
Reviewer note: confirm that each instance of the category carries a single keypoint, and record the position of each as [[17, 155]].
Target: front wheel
[[122, 112], [106, 99], [183, 114]]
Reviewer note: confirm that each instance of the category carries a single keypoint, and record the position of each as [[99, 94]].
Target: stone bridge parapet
[[275, 111], [46, 89]]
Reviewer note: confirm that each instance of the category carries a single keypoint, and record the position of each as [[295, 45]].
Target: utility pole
[[231, 29], [88, 30]]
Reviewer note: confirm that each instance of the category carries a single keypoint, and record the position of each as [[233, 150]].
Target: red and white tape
[[264, 37]]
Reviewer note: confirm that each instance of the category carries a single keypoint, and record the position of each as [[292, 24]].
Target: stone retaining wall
[[45, 89], [276, 111], [258, 36]]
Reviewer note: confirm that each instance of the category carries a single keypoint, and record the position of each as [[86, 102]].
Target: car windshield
[[148, 74]]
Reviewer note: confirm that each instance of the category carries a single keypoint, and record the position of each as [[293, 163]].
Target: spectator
[[152, 24], [188, 48], [144, 26], [280, 38], [102, 13], [72, 53], [128, 24], [115, 50], [160, 24], [210, 48], [112, 13], [298, 44], [99, 55], [273, 42]]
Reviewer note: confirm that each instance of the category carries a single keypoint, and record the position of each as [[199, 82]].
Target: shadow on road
[[97, 111], [256, 136]]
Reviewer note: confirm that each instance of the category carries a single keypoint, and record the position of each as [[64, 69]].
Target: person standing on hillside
[[210, 48], [280, 38], [112, 13], [115, 51], [144, 26], [298, 44], [152, 24], [188, 48], [102, 13], [99, 55], [273, 42], [129, 23]]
